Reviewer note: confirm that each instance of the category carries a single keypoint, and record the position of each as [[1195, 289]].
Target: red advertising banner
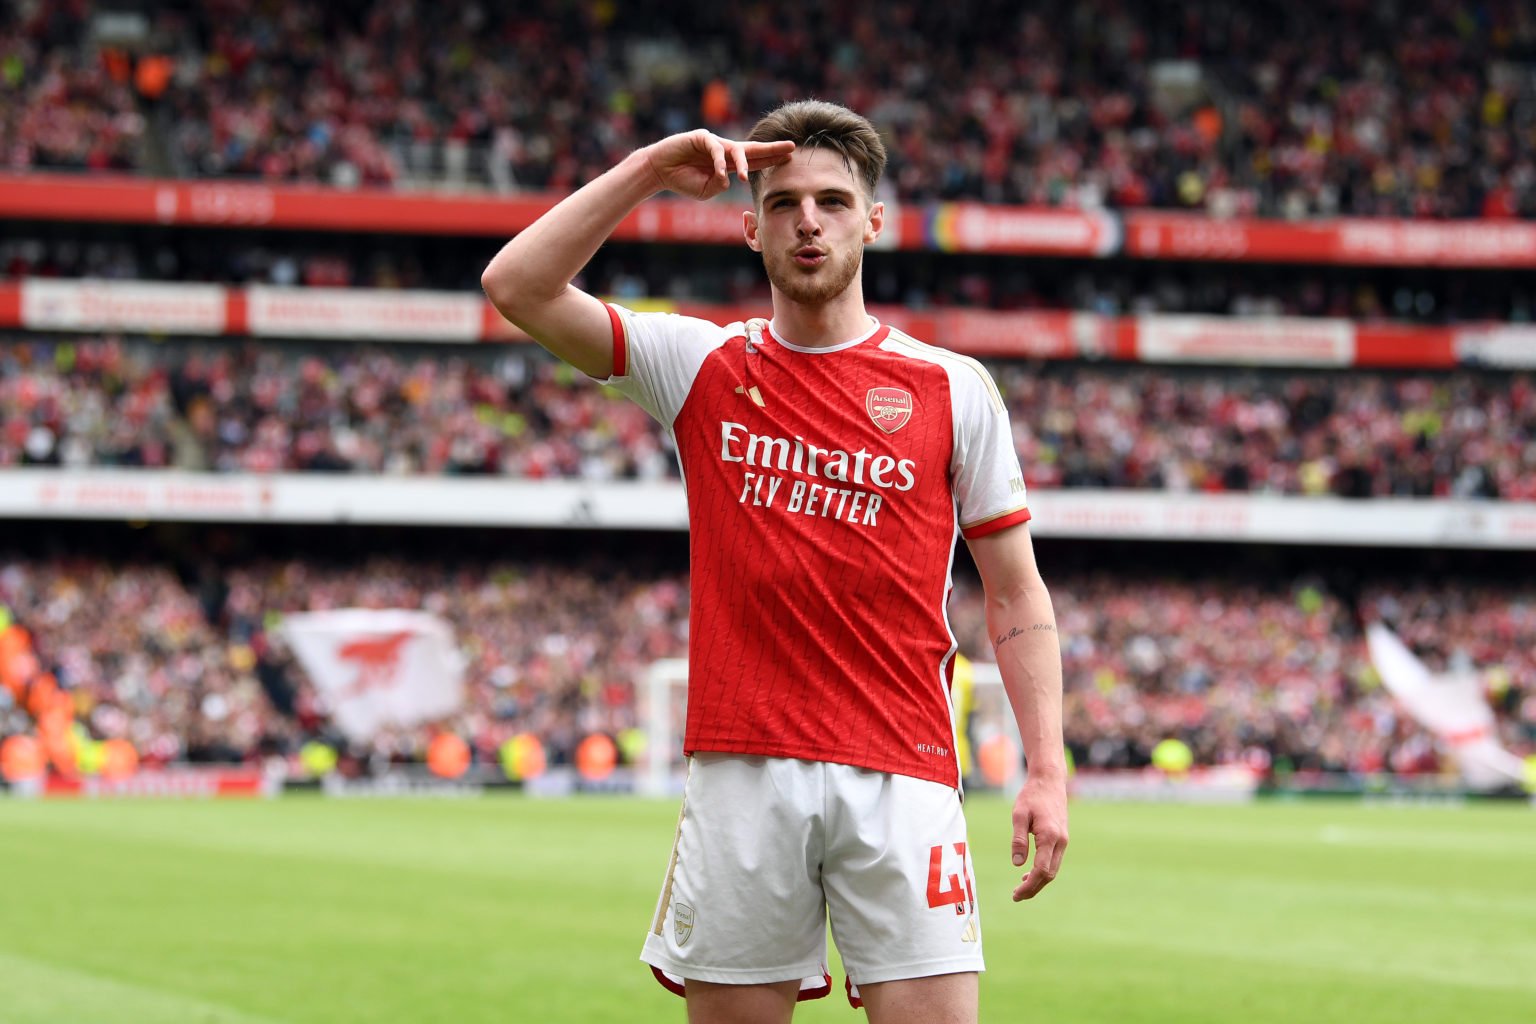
[[185, 783], [978, 227], [126, 200], [1362, 241], [226, 204], [944, 227]]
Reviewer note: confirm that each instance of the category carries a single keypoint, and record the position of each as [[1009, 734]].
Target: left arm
[[1022, 625]]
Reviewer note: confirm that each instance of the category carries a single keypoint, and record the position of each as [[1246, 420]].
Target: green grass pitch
[[511, 910]]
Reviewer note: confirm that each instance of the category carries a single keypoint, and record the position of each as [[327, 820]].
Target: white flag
[[378, 668], [1451, 707]]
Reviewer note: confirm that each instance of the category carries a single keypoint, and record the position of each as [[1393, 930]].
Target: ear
[[875, 224], [749, 229]]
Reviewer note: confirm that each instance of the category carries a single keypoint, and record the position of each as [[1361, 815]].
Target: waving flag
[[1451, 707], [379, 668]]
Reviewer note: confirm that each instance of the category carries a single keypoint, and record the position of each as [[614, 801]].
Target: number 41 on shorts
[[946, 888]]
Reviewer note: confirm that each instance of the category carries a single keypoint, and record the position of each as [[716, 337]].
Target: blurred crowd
[[1290, 110], [191, 668], [1354, 434], [271, 408], [512, 411], [1251, 673], [1267, 673]]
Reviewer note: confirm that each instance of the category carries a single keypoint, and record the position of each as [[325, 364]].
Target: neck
[[825, 324]]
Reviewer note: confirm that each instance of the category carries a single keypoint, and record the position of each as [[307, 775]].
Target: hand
[[699, 163], [1041, 811]]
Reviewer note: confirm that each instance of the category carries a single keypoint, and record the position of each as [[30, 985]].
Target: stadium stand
[[1195, 105], [1267, 673], [512, 412]]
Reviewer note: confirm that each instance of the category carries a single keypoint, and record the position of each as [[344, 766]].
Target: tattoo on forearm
[[1039, 627]]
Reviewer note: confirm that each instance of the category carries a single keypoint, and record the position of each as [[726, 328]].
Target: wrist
[[1049, 771], [641, 169]]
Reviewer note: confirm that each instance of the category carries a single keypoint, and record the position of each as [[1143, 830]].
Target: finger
[[1048, 856], [1047, 863], [717, 154], [739, 158], [783, 147], [767, 154], [1038, 878], [1022, 827], [757, 163], [1058, 848], [1033, 882]]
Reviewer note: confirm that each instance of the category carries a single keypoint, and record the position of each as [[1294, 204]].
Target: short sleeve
[[656, 357], [988, 483]]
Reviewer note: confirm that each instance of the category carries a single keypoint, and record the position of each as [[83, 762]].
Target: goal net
[[990, 749]]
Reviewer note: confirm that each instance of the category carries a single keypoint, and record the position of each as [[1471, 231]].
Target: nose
[[809, 226]]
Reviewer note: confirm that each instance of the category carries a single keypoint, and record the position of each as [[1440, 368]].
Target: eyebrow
[[781, 193]]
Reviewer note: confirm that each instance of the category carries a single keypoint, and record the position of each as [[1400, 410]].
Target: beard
[[813, 287]]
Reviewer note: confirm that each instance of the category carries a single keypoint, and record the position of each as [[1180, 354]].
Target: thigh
[[898, 879], [709, 1003], [939, 999], [742, 903]]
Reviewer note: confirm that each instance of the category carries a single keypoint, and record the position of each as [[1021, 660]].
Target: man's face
[[812, 226]]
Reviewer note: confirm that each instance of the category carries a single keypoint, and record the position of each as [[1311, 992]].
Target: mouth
[[809, 256]]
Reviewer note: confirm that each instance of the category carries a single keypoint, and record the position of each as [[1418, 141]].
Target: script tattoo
[[1039, 627]]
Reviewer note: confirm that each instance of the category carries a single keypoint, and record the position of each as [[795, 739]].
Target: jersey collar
[[876, 327]]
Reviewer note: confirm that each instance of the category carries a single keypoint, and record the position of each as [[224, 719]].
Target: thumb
[[1020, 842]]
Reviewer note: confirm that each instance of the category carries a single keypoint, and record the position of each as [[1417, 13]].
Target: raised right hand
[[698, 164]]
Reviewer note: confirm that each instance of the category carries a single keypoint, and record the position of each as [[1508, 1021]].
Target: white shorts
[[768, 848]]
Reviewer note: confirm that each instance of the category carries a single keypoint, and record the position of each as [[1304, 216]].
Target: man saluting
[[830, 460]]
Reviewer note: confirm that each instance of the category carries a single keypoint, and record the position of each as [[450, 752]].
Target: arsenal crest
[[890, 408], [682, 922]]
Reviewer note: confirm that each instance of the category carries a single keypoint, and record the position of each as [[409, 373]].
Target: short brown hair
[[813, 123]]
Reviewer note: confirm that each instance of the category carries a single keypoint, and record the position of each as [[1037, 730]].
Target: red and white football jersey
[[825, 490]]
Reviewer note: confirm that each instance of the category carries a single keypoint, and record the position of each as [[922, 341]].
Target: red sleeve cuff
[[1002, 522], [620, 345]]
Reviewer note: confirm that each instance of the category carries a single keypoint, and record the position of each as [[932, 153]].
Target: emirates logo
[[890, 408]]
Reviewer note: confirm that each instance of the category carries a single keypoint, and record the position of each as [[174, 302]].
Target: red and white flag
[[379, 668], [1451, 707]]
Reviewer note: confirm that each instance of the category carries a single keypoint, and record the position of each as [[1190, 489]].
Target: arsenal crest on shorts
[[682, 922], [890, 408]]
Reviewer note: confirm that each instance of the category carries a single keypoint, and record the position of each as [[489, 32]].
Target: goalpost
[[997, 756]]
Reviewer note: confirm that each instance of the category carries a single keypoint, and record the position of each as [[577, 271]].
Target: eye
[[835, 201]]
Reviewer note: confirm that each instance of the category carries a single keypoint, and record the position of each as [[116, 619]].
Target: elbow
[[1018, 593], [516, 296], [493, 281]]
